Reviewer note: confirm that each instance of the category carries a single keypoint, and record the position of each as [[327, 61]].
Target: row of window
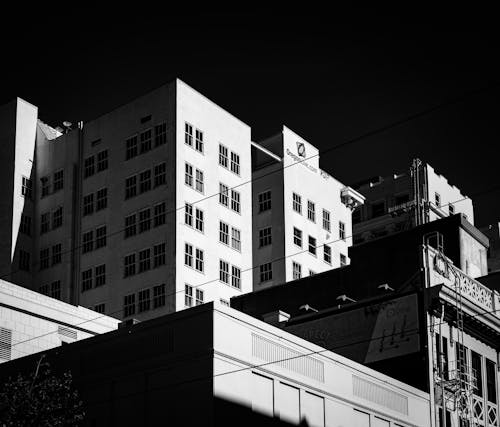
[[144, 260], [140, 222], [142, 143], [94, 164], [45, 256], [95, 202], [229, 274], [145, 180], [198, 137], [192, 295], [53, 290], [93, 277], [235, 241], [146, 300], [57, 183], [199, 263], [232, 200], [233, 163], [198, 184], [88, 242], [57, 220], [194, 217], [311, 214]]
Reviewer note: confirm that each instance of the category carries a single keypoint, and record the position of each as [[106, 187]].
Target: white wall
[[218, 126], [310, 383]]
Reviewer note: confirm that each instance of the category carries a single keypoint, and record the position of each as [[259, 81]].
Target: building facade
[[402, 201], [302, 215], [31, 322], [143, 211], [213, 365]]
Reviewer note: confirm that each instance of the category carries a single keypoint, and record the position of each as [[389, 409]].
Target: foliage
[[40, 399]]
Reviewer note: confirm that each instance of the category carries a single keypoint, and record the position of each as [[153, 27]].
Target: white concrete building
[[398, 202], [31, 322], [302, 215], [135, 213]]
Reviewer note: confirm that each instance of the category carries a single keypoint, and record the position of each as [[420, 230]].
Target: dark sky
[[331, 76]]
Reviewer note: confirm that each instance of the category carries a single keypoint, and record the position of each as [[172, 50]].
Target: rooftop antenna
[[307, 307], [385, 287]]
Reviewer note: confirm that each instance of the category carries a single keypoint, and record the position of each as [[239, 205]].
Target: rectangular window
[[491, 384], [297, 203], [341, 230], [88, 241], [27, 188], [102, 160], [311, 211], [89, 167], [235, 239], [131, 187], [144, 260], [235, 201], [199, 265], [199, 141], [223, 156], [188, 254], [223, 194], [451, 209], [129, 265], [145, 181], [297, 237], [297, 270], [223, 233], [265, 237], [326, 220], [55, 289], [100, 275], [200, 186], [160, 134], [188, 176], [86, 280], [101, 199], [44, 258], [477, 371], [57, 218], [188, 134], [159, 255], [160, 174], [88, 204], [224, 271], [144, 301], [188, 214], [100, 237], [58, 180], [327, 254], [159, 296], [145, 141], [343, 260], [199, 220], [188, 296], [45, 223], [56, 254], [130, 227], [236, 277], [100, 308], [128, 305], [25, 226], [437, 199], [45, 182], [266, 272], [160, 214], [235, 163], [199, 296], [24, 260], [264, 201], [131, 148], [312, 245], [144, 220]]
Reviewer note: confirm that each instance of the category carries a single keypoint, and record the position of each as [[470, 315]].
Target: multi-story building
[[492, 231], [402, 201], [142, 211], [215, 366], [302, 215], [31, 322]]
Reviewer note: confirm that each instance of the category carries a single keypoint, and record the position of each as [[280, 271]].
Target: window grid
[[223, 233], [88, 204], [45, 223], [199, 224], [326, 220], [199, 141], [223, 194], [188, 254], [235, 163], [88, 241], [100, 275], [144, 301], [131, 148], [224, 271], [144, 260], [341, 230], [188, 175], [89, 167], [200, 186], [44, 258], [45, 186], [56, 254], [145, 138], [159, 255], [265, 237], [145, 181], [130, 226], [199, 263], [188, 134], [235, 277], [266, 272], [223, 156], [235, 239], [297, 203], [160, 174], [100, 237], [129, 265], [327, 254], [160, 134], [129, 305], [101, 199], [235, 201], [311, 211], [58, 180], [159, 296], [312, 245], [199, 296], [160, 214], [297, 270], [131, 187], [188, 295], [144, 220], [264, 201], [86, 280], [102, 160]]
